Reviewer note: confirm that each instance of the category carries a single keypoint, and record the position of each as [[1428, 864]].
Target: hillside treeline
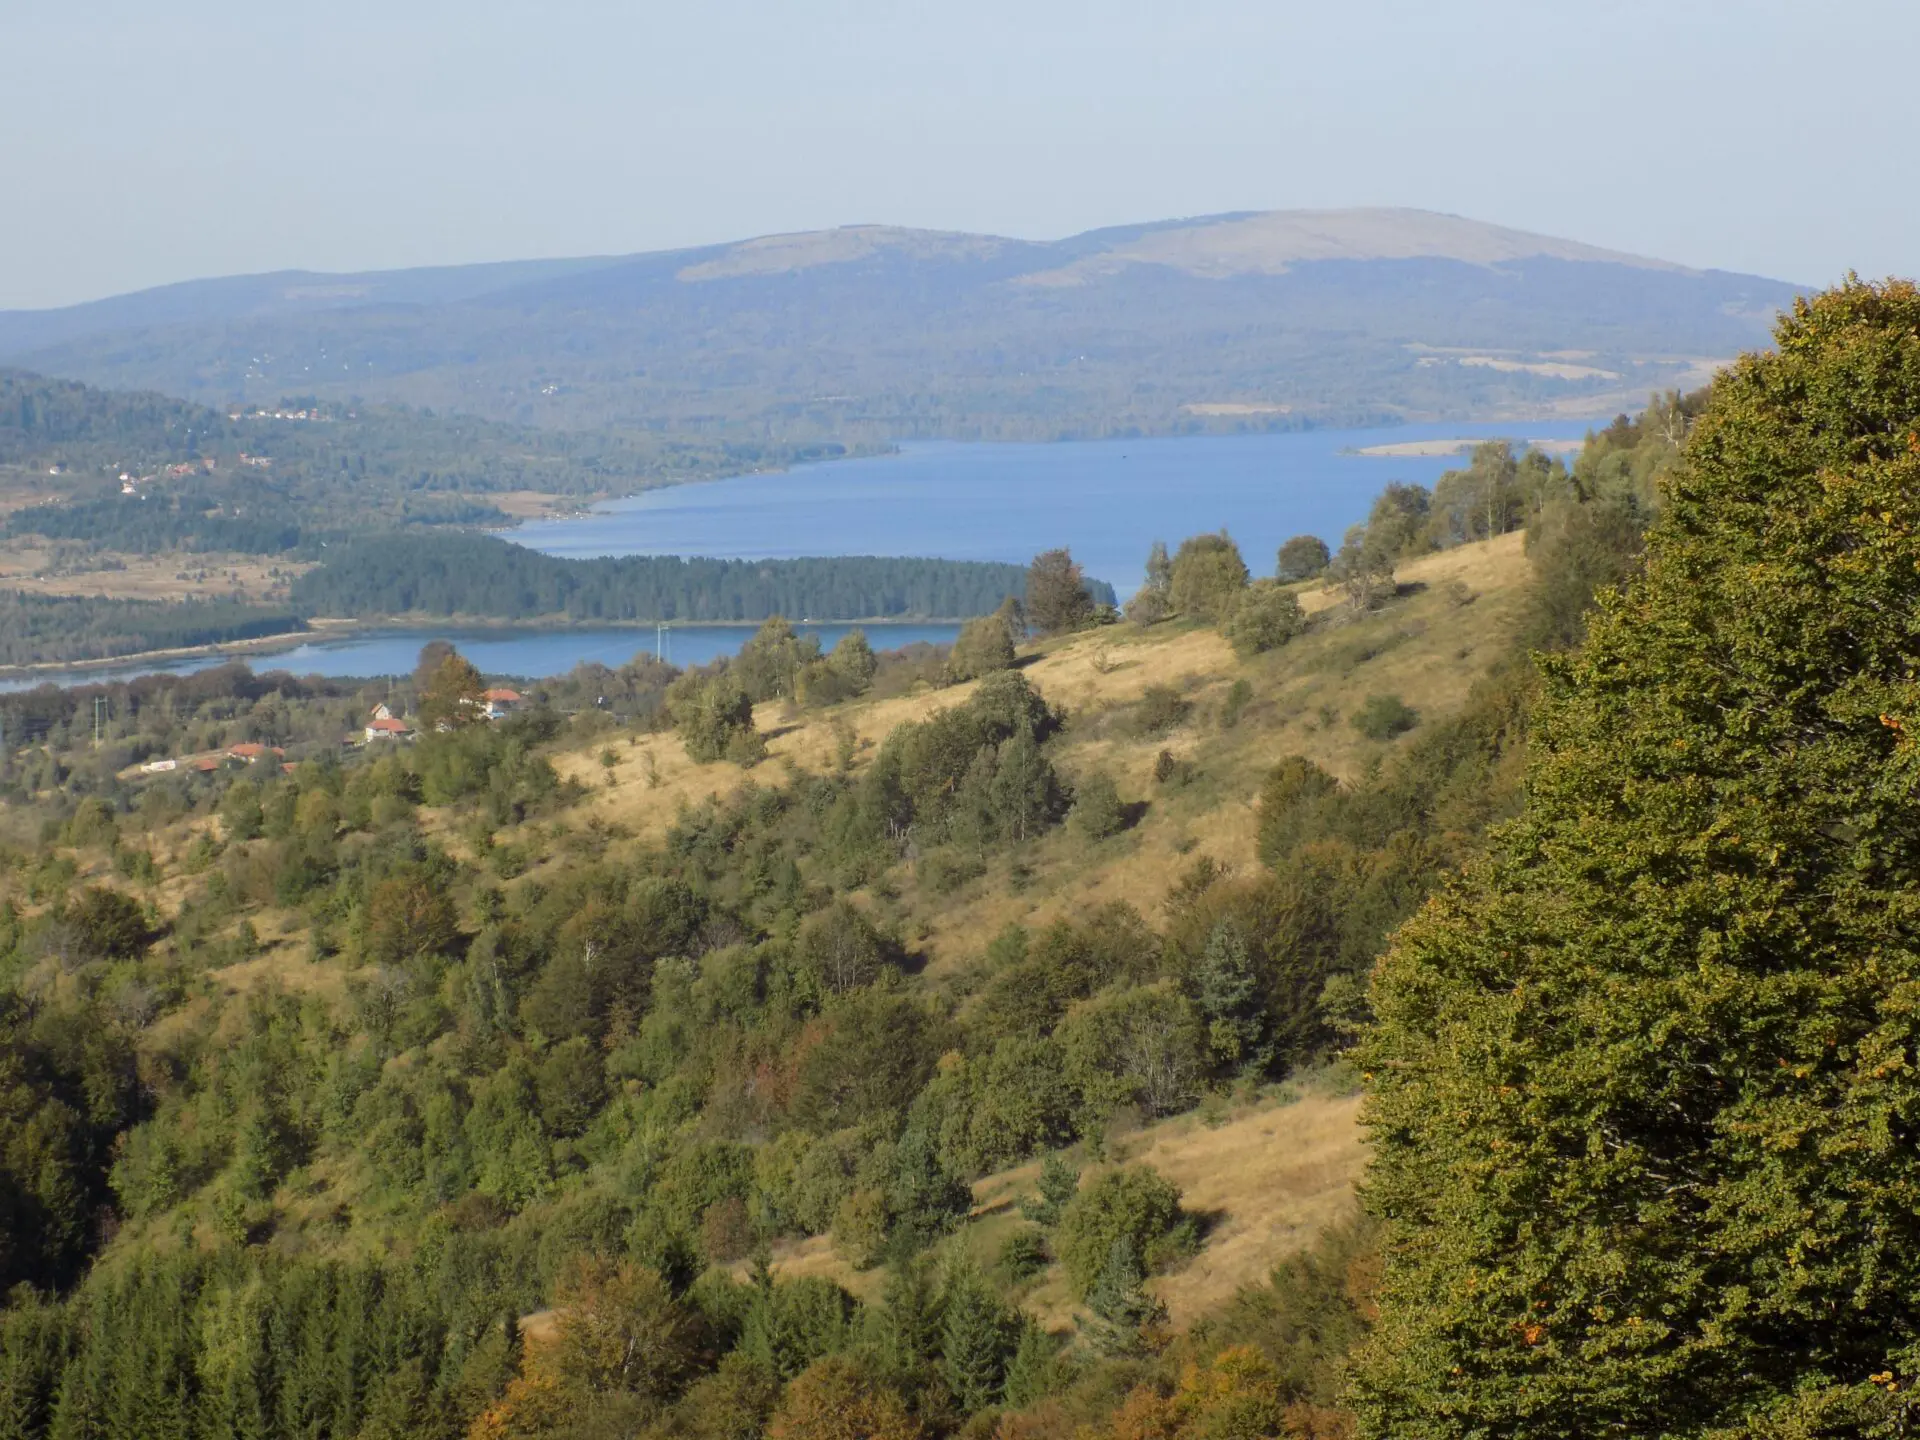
[[448, 575], [345, 457], [38, 628]]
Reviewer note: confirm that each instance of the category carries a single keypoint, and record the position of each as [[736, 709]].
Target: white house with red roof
[[385, 725]]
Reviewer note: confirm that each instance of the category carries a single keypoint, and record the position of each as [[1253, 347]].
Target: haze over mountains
[[877, 332]]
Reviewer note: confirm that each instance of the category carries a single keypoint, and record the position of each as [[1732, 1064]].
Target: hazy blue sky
[[149, 142]]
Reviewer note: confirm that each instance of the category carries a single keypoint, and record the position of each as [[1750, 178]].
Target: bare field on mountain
[[42, 570]]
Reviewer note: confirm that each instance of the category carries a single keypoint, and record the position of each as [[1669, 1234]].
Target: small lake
[[1107, 500]]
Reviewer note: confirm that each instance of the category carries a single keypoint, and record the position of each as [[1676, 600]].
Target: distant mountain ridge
[[875, 331]]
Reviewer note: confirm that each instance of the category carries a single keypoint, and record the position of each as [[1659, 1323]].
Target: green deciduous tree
[[1643, 1081], [985, 644], [454, 695], [1138, 1045], [1057, 596], [1301, 558], [1207, 578], [1129, 1208], [1153, 602]]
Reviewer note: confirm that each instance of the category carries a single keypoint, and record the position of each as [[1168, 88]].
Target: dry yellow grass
[[1275, 1179], [1497, 563]]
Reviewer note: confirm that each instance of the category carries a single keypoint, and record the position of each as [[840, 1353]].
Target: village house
[[501, 702], [385, 725]]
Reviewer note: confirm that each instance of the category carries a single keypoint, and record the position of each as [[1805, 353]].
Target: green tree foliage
[[1301, 558], [1290, 805], [1153, 602], [1586, 534], [37, 629], [976, 774], [110, 924], [1266, 618], [769, 665], [1227, 991], [978, 1335], [840, 949], [847, 672], [1137, 1045], [1097, 808], [714, 716], [984, 646], [454, 574], [67, 1084], [1129, 1209], [1119, 1297], [1057, 597], [1488, 498], [1394, 528], [1056, 1188], [1207, 578], [1638, 1076], [791, 1324], [1382, 717]]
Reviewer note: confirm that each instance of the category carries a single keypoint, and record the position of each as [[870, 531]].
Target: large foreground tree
[[1646, 1084]]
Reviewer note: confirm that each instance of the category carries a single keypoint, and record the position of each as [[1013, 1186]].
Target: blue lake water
[[1106, 500], [524, 653]]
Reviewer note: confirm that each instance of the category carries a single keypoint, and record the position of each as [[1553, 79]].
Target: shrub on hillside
[[1158, 710], [713, 715], [1097, 808], [985, 645], [1385, 716], [1266, 618]]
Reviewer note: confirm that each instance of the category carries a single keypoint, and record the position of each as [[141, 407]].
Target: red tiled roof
[[505, 697], [396, 727]]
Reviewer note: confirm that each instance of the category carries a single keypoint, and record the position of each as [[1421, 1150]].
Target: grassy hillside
[[972, 1041], [1457, 616]]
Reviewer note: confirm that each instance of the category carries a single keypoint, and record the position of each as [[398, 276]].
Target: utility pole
[[99, 717]]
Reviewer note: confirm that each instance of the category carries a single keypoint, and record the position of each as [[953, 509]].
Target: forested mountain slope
[[349, 465], [876, 334], [811, 1037]]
